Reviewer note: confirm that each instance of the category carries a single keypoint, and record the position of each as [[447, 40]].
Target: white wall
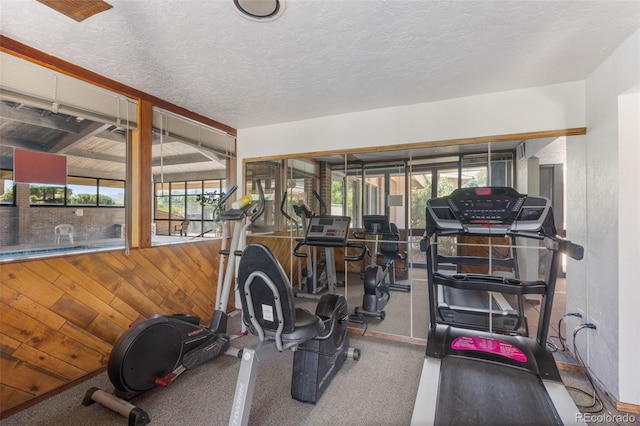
[[551, 107], [628, 246], [601, 168]]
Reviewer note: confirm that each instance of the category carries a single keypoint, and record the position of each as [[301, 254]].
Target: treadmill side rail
[[424, 410], [563, 403]]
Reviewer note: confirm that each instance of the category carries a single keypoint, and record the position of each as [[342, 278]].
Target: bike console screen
[[328, 229], [486, 210]]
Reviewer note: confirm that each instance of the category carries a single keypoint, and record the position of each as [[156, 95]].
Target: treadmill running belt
[[476, 392], [473, 299]]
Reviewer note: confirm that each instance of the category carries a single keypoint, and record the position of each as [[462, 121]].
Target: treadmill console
[[328, 230], [486, 211]]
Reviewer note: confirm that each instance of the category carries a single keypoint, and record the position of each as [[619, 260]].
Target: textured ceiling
[[325, 57]]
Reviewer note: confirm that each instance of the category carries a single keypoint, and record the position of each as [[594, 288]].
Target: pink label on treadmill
[[485, 344]]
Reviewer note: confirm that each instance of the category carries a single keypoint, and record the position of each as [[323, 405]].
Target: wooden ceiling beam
[[78, 10]]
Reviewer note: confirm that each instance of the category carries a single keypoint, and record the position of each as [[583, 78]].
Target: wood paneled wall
[[59, 317]]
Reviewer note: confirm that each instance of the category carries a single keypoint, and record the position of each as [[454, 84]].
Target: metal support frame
[[277, 302], [245, 386]]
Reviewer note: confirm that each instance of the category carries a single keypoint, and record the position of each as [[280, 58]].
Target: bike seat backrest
[[267, 301], [389, 244]]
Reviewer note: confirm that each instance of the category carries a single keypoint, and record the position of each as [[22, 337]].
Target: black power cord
[[360, 319], [550, 344], [597, 401]]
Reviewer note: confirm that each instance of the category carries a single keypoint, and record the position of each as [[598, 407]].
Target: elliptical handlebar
[[252, 210], [286, 215], [232, 190], [323, 205], [283, 210], [261, 202]]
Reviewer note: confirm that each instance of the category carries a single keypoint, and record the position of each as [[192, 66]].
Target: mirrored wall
[[396, 184]]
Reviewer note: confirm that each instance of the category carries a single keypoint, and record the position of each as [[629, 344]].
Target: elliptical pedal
[[208, 350]]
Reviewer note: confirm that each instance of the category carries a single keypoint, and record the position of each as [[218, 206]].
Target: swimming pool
[[36, 252]]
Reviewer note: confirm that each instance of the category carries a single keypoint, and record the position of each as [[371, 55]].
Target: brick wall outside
[[24, 224]]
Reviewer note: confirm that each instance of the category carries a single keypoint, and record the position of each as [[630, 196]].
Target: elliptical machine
[[379, 279], [157, 350], [283, 210]]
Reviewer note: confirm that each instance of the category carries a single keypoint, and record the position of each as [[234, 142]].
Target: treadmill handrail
[[490, 283], [476, 260], [573, 250]]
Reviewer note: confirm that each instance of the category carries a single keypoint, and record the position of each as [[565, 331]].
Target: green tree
[[336, 192], [7, 196], [419, 198], [212, 199], [83, 199], [106, 200], [40, 194], [479, 179], [446, 187]]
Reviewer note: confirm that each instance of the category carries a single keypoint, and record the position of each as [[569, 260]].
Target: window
[[110, 192], [192, 200], [53, 195], [7, 187], [79, 192], [189, 172], [47, 112], [82, 191]]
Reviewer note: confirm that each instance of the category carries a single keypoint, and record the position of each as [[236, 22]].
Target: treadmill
[[482, 310], [480, 377]]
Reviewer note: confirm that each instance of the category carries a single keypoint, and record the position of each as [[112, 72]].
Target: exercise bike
[[154, 352], [320, 342], [379, 280]]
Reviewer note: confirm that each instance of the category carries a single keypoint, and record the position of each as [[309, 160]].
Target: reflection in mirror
[[270, 173], [396, 184], [375, 185]]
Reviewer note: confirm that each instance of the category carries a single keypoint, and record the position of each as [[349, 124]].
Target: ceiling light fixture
[[260, 10]]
